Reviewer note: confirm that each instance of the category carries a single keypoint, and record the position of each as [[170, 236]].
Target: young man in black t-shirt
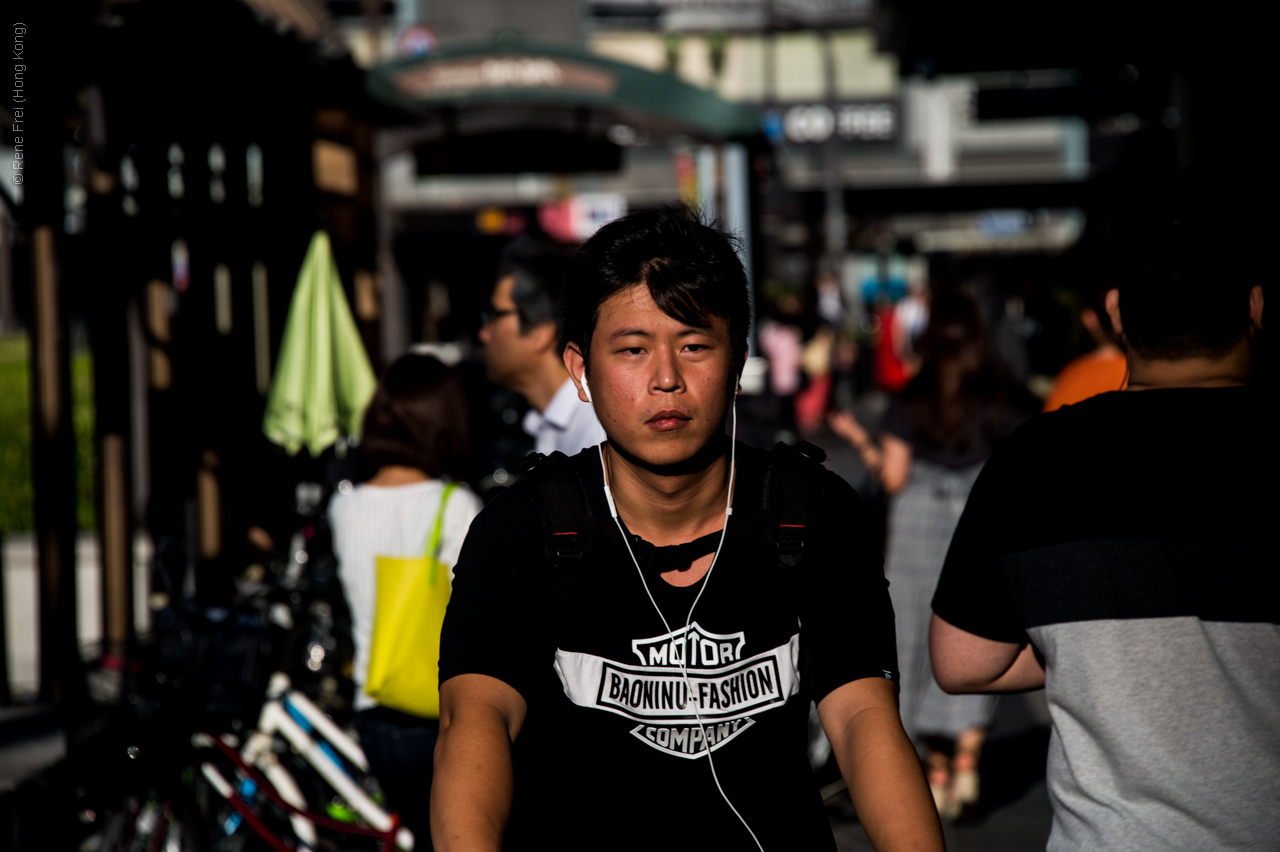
[[654, 693], [1120, 553]]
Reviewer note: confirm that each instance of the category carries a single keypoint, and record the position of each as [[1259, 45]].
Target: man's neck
[[1228, 371], [396, 474], [544, 379], [669, 509]]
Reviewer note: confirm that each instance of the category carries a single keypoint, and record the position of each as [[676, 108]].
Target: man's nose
[[666, 373], [486, 334]]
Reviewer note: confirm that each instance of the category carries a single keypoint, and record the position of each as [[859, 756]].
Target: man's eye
[[695, 347], [634, 350]]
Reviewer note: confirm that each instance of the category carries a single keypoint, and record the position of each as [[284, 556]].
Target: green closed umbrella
[[323, 378]]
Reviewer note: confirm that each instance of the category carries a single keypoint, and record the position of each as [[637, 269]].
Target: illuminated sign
[[859, 122], [463, 76]]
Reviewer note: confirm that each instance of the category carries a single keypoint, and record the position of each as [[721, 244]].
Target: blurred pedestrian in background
[[522, 349], [415, 430], [1102, 370], [1121, 554], [934, 440]]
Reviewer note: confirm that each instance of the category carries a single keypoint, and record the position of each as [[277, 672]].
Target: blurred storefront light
[[176, 186], [993, 231], [417, 40], [217, 165], [334, 167], [180, 262], [798, 59], [222, 298], [254, 174], [129, 182], [576, 218]]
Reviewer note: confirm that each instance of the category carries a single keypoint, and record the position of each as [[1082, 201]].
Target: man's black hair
[[1183, 291], [539, 276], [692, 271]]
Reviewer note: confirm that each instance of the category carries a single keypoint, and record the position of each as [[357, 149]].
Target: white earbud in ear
[[586, 388]]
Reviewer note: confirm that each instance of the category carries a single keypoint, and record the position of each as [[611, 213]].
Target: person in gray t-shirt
[[1119, 552]]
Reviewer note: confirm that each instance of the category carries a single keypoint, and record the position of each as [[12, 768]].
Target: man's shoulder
[[1128, 415], [1084, 422], [793, 479], [553, 485], [514, 508]]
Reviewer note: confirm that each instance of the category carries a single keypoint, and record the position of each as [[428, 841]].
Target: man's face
[[660, 388], [507, 352]]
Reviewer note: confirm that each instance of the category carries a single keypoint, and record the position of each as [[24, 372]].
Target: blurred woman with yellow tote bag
[[404, 658], [397, 537]]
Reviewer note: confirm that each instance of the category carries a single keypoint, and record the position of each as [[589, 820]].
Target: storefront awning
[[519, 79]]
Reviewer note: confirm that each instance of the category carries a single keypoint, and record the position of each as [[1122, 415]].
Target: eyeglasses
[[493, 315]]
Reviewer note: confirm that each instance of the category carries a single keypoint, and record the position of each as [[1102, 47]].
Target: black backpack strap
[[794, 484], [568, 524], [793, 487]]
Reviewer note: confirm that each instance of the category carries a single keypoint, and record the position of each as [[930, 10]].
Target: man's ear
[[576, 365], [1255, 306], [1089, 319], [1112, 302]]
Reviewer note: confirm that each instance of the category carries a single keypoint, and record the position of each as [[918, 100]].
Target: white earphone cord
[[684, 671]]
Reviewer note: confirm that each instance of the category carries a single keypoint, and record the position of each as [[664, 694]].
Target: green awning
[[489, 76]]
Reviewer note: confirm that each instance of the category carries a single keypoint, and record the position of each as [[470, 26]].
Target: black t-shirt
[[980, 434], [611, 755], [1188, 466]]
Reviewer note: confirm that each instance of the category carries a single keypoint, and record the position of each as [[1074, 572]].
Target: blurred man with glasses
[[522, 349]]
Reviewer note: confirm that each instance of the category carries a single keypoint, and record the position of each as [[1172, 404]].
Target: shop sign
[[417, 40], [856, 122], [453, 77], [576, 218]]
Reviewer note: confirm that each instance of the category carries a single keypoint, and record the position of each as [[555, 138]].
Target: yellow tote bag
[[404, 660]]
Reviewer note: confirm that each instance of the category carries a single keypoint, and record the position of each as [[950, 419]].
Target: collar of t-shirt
[[657, 560]]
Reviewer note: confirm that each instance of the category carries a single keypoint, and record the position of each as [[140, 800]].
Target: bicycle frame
[[319, 751]]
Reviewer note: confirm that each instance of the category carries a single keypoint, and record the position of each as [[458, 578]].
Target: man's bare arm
[[480, 717], [963, 662], [880, 766]]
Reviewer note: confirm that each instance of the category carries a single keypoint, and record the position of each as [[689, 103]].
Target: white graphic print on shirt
[[724, 687]]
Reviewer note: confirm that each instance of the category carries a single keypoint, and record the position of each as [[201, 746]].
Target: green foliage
[[83, 418], [15, 435]]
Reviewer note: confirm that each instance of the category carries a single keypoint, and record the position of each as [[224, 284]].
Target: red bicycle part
[[319, 819]]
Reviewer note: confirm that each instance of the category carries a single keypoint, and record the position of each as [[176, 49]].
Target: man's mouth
[[668, 419]]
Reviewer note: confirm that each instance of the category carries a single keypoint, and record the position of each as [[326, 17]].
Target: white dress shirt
[[568, 425]]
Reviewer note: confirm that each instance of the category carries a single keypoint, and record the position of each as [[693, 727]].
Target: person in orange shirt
[[1104, 369]]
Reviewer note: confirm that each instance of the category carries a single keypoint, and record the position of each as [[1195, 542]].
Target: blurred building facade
[[167, 198]]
